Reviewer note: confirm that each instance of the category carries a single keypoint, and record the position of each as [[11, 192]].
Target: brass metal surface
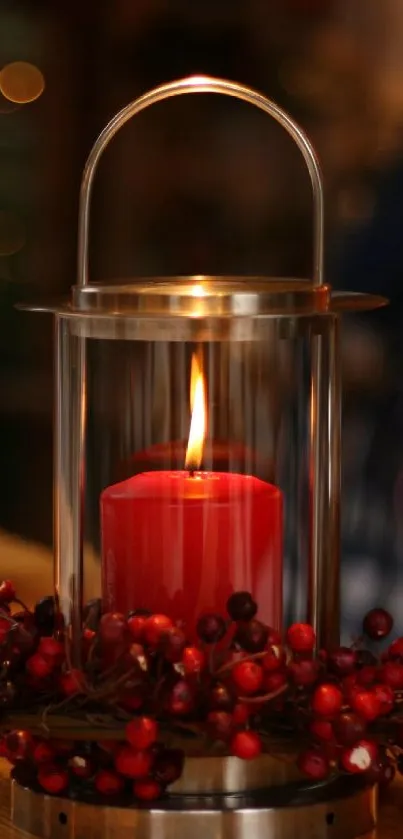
[[204, 298], [231, 775], [321, 814], [389, 820]]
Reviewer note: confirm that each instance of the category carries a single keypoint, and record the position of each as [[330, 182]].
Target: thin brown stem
[[256, 700], [226, 668]]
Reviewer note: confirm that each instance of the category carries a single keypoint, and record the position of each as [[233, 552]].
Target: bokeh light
[[12, 233], [21, 82]]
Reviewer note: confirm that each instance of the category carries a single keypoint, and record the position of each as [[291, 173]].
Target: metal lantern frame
[[127, 306], [236, 309]]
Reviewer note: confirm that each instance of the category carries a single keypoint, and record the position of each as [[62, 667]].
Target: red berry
[[211, 628], [136, 625], [358, 758], [7, 591], [132, 658], [386, 697], [241, 606], [108, 783], [314, 764], [133, 763], [193, 660], [367, 675], [377, 624], [342, 661], [172, 643], [141, 732], [366, 704], [240, 713], [322, 730], [53, 780], [154, 628], [327, 700], [301, 638], [43, 752], [72, 682], [304, 672], [392, 675], [19, 745], [113, 628], [147, 790], [81, 766], [221, 697], [273, 637], [246, 745], [88, 636], [274, 681], [396, 649], [180, 700], [348, 729], [252, 636], [274, 659], [51, 650], [247, 676], [220, 725], [39, 667]]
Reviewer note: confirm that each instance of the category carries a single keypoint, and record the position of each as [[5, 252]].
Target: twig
[[256, 700], [226, 668]]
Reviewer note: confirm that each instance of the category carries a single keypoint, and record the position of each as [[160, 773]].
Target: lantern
[[197, 468]]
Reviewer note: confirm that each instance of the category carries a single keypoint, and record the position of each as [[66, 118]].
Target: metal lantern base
[[343, 809]]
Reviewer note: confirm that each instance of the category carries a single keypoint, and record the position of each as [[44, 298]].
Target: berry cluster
[[237, 684], [137, 768]]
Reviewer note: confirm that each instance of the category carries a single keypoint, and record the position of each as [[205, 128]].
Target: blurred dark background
[[206, 185]]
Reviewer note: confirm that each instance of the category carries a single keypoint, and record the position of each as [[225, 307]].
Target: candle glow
[[197, 431]]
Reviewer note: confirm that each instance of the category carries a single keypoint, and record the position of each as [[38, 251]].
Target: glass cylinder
[[185, 459]]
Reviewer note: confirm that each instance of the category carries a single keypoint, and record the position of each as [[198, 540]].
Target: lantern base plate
[[341, 809]]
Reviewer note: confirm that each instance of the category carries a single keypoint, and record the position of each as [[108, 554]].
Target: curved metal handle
[[201, 84]]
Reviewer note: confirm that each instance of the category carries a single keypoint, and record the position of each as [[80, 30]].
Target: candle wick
[[192, 473]]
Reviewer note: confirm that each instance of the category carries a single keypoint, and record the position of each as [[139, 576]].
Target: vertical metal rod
[[331, 569], [70, 412], [324, 570], [57, 453], [78, 488]]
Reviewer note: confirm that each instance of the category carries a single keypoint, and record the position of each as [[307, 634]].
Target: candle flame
[[197, 432]]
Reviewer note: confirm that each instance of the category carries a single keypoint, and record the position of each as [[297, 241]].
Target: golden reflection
[[21, 82]]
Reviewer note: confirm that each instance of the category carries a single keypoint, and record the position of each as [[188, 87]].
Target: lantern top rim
[[201, 295], [206, 296]]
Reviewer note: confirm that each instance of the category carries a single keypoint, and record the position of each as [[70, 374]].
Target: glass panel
[[198, 469]]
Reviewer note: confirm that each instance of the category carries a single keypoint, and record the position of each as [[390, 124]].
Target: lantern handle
[[202, 84]]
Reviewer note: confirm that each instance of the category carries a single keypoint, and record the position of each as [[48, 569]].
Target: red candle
[[180, 542]]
